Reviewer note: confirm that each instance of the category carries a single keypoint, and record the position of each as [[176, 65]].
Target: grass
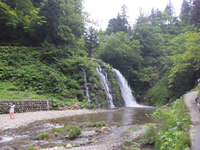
[[95, 124], [43, 135], [197, 88], [30, 148], [9, 91], [60, 129], [74, 132]]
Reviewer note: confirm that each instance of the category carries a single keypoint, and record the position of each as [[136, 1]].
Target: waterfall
[[86, 87], [125, 90], [106, 85]]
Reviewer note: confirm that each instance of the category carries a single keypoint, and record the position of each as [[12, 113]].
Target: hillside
[[51, 73]]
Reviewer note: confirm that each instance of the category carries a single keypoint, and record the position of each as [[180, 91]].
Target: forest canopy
[[33, 22]]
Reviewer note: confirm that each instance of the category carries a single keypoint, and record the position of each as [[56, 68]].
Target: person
[[198, 81], [197, 100], [12, 110]]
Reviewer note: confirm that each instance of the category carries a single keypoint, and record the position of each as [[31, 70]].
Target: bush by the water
[[43, 135], [150, 134], [95, 124], [174, 127], [74, 132], [60, 129], [30, 148]]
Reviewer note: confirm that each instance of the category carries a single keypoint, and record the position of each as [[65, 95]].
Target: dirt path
[[22, 119], [189, 100]]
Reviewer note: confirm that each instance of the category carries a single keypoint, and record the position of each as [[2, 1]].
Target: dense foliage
[[31, 22], [159, 55], [55, 73], [173, 132]]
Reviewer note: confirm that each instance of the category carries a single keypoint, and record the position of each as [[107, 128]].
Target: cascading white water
[[125, 90], [106, 85], [86, 87]]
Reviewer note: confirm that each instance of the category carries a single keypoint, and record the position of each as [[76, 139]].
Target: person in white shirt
[[198, 81], [12, 110]]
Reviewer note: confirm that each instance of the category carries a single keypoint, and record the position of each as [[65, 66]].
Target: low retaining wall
[[25, 105]]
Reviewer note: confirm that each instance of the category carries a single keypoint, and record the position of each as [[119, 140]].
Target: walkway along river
[[189, 100]]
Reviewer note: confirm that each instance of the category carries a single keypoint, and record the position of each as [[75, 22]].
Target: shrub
[[74, 132], [172, 139], [30, 148], [159, 93], [43, 135], [95, 124], [62, 128], [175, 124], [150, 133], [90, 106]]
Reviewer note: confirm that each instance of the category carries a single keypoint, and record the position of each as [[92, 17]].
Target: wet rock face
[[25, 105]]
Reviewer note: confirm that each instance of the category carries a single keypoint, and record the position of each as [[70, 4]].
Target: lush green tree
[[155, 17], [55, 21], [151, 39], [8, 22], [165, 20], [195, 13], [171, 23], [185, 11], [28, 17], [91, 39], [24, 23], [8, 17], [186, 63], [169, 9], [64, 21], [120, 23], [122, 53]]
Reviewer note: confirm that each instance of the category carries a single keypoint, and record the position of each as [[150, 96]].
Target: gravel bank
[[22, 119]]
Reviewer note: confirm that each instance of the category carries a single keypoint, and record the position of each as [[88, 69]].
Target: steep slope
[[49, 72]]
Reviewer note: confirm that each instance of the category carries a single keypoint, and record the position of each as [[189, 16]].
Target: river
[[118, 122]]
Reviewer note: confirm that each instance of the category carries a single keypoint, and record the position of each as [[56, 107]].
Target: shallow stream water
[[19, 139]]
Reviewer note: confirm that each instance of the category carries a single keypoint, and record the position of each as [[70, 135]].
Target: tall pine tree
[[195, 14]]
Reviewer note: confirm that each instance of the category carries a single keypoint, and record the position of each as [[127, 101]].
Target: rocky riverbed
[[23, 119], [121, 125]]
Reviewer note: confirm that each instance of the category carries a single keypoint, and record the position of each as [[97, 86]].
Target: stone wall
[[25, 105]]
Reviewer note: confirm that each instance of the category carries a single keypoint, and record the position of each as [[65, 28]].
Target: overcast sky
[[104, 10]]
